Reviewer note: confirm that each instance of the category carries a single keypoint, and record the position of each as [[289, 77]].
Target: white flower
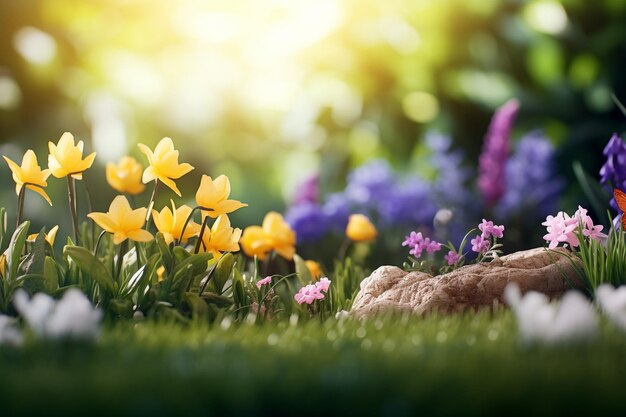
[[342, 315], [9, 334], [613, 303], [539, 320], [72, 316]]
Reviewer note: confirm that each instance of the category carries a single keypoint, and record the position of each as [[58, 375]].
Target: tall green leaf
[[90, 265]]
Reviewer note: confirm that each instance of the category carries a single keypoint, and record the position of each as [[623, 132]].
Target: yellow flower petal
[[104, 221], [41, 192], [140, 235]]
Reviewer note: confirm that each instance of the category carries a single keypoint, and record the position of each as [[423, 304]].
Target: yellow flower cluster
[[274, 234], [65, 158], [128, 176]]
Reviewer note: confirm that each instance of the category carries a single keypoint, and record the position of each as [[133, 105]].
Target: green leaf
[[166, 254], [33, 263], [50, 274], [91, 266], [33, 283], [180, 254], [218, 300], [15, 249], [302, 270], [199, 263], [3, 225], [223, 271], [196, 304], [239, 294]]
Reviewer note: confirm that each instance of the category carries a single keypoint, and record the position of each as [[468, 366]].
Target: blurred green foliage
[[268, 91]]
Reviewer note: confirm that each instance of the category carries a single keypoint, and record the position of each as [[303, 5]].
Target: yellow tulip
[[171, 223], [123, 222], [29, 174], [125, 177], [50, 236], [66, 158], [160, 273], [221, 237], [212, 196], [314, 269], [275, 234], [360, 228], [164, 164]]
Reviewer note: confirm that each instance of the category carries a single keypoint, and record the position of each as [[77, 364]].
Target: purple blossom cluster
[[482, 242], [532, 186], [496, 148], [418, 244], [309, 293], [613, 172]]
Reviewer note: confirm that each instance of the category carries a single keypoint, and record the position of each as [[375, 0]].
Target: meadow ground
[[471, 364]]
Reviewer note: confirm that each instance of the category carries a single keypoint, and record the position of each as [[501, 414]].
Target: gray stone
[[470, 287]]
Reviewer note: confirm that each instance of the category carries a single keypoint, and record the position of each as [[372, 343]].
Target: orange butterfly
[[620, 198]]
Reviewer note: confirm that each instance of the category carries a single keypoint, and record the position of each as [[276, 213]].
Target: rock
[[471, 287]]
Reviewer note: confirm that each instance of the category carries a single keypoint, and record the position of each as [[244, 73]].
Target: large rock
[[389, 288]]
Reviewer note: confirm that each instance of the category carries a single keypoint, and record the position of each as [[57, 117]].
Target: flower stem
[[20, 205], [90, 210], [343, 250], [150, 204], [199, 242], [182, 232], [71, 193], [120, 258]]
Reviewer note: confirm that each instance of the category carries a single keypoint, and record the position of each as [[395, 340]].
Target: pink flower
[[308, 294], [264, 281], [432, 246], [489, 229], [561, 229], [452, 257], [323, 284], [480, 244]]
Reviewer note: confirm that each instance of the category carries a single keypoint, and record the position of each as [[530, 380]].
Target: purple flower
[[337, 211], [480, 244], [308, 191], [492, 163], [308, 221], [452, 257], [613, 172], [418, 244], [409, 203], [370, 183], [488, 229], [532, 185]]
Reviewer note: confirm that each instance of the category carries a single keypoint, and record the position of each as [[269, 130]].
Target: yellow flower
[[314, 269], [123, 222], [360, 228], [50, 236], [125, 177], [3, 265], [29, 174], [160, 273], [66, 158], [212, 196], [275, 234], [164, 164], [221, 237], [171, 222]]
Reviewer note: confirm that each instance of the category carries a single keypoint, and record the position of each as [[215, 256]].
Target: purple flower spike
[[492, 163]]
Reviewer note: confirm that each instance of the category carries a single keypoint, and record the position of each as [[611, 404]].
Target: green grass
[[460, 365]]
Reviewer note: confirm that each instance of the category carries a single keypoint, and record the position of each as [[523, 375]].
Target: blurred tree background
[[269, 92]]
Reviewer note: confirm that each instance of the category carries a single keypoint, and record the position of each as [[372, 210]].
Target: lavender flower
[[337, 211], [613, 172], [370, 183], [409, 203], [308, 221], [308, 191], [492, 163], [532, 186], [418, 244]]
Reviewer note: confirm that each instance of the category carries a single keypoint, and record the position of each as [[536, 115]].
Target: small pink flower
[[480, 244], [561, 229], [323, 284], [489, 229], [452, 257], [432, 246], [308, 294], [264, 281]]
